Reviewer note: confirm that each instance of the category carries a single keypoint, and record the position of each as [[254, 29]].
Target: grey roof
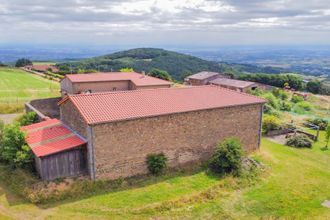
[[232, 82], [203, 75]]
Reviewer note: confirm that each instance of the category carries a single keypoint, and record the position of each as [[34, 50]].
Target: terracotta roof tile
[[136, 78], [115, 106]]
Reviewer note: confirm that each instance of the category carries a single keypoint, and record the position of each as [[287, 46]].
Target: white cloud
[[141, 7]]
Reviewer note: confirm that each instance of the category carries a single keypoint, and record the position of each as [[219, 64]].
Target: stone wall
[[71, 117], [101, 86], [121, 148]]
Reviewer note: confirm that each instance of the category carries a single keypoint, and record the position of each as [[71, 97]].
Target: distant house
[[109, 134], [237, 85], [42, 68], [203, 78], [114, 81]]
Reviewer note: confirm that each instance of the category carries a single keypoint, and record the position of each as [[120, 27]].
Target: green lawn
[[18, 87], [294, 186]]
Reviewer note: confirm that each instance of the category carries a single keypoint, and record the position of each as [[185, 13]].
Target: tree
[[27, 119], [327, 136], [23, 62], [161, 74], [13, 148], [126, 70], [313, 86]]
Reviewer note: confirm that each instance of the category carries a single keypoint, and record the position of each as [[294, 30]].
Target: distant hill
[[178, 65]]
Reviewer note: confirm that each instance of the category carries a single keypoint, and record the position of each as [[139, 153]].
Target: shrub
[[281, 94], [156, 163], [13, 148], [270, 123], [305, 106], [296, 99], [322, 123], [299, 141], [327, 136], [286, 106], [272, 100], [227, 157], [27, 119]]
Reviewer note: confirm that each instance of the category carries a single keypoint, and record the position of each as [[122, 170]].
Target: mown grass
[[294, 185], [18, 87]]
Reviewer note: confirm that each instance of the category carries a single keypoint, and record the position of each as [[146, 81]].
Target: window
[[114, 89]]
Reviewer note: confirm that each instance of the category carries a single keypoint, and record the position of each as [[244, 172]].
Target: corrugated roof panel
[[115, 106]]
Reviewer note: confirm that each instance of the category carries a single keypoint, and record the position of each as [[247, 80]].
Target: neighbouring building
[[113, 132], [114, 81], [42, 68], [203, 78], [233, 84]]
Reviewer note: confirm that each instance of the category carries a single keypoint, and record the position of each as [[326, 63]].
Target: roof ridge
[[137, 90]]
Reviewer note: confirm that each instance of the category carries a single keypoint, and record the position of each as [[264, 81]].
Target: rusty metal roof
[[50, 137], [203, 75], [124, 105], [136, 78]]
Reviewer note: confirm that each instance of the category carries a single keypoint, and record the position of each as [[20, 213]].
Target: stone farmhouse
[[219, 79], [203, 78], [233, 84], [42, 68], [102, 82], [108, 135]]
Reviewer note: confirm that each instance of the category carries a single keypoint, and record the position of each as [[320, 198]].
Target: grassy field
[[18, 87], [294, 185]]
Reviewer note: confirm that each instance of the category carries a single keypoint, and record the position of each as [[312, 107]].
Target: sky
[[165, 22]]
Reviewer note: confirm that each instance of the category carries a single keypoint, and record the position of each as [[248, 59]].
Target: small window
[[114, 89]]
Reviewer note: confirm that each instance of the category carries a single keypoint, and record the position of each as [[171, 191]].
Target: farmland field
[[18, 87], [294, 185]]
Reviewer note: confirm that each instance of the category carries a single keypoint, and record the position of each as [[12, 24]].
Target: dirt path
[[8, 118]]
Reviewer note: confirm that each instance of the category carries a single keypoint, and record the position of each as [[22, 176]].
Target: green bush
[[299, 141], [13, 148], [270, 123], [281, 94], [305, 106], [227, 157], [296, 99], [27, 119], [322, 123], [286, 106], [156, 163], [272, 100]]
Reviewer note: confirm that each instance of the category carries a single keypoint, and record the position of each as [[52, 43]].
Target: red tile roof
[[50, 137], [136, 78], [124, 105]]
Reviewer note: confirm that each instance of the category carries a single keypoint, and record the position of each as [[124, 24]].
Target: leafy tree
[[126, 69], [227, 157], [13, 148], [28, 118], [313, 86], [161, 74], [23, 62]]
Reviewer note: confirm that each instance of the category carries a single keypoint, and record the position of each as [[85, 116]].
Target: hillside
[[18, 87], [178, 65]]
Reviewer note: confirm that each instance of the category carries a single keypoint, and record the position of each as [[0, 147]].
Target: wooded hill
[[178, 65]]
